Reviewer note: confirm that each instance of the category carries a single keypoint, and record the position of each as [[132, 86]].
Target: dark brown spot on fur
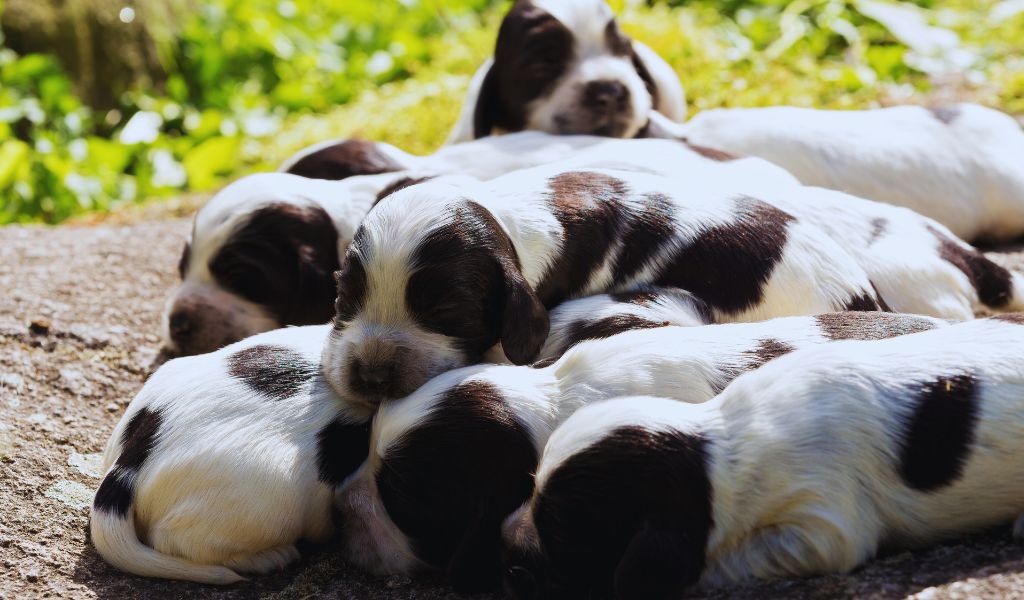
[[864, 302], [185, 260], [580, 331], [399, 184], [879, 226], [340, 448], [648, 231], [137, 441], [589, 206], [1017, 318], [345, 159], [631, 513], [449, 482], [765, 351], [870, 325], [946, 114], [993, 283], [712, 153], [277, 372], [282, 257], [643, 297], [728, 265], [939, 434]]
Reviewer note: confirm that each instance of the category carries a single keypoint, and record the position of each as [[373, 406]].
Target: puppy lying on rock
[[448, 463], [809, 465]]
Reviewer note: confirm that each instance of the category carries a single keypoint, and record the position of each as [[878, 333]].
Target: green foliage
[[251, 81]]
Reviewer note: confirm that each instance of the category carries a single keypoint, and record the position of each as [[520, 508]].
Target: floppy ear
[[658, 563], [488, 109], [662, 82], [465, 128], [524, 324]]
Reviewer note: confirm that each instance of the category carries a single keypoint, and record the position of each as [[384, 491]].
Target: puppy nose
[[180, 326], [606, 94], [374, 374]]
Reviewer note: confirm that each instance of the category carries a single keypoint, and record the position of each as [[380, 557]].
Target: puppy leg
[[813, 547], [274, 559]]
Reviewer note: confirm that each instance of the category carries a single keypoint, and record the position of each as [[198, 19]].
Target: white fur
[[231, 483], [686, 363], [967, 174], [804, 452], [592, 61]]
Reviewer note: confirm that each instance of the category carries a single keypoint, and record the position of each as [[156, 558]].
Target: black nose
[[374, 373], [605, 94], [181, 326], [375, 378]]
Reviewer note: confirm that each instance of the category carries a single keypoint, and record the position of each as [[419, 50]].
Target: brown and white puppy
[[961, 165], [448, 463], [261, 252], [261, 255], [809, 465], [440, 272], [563, 66]]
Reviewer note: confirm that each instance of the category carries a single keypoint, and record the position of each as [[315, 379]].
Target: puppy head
[[429, 283], [260, 256], [564, 67], [447, 465], [622, 507]]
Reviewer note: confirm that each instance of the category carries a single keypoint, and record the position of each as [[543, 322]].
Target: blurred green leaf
[[210, 159]]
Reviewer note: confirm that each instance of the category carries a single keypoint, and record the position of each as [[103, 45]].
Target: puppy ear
[[525, 324], [658, 563], [663, 84], [476, 565], [487, 113]]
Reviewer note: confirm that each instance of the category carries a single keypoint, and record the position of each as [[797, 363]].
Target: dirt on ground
[[79, 319]]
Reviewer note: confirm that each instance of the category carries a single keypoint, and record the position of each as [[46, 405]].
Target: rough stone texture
[[79, 311]]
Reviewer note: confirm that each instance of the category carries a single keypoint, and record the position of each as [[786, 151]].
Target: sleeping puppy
[[224, 461], [261, 255], [448, 463], [261, 252], [440, 272], [563, 66], [810, 465], [962, 165]]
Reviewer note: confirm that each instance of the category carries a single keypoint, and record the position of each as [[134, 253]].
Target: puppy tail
[[112, 529]]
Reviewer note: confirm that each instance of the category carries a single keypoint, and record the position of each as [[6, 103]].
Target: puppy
[[563, 66], [809, 465], [440, 272], [223, 461], [448, 463], [962, 166], [262, 251], [261, 255]]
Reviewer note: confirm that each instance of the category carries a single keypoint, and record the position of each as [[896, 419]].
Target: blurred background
[[109, 103]]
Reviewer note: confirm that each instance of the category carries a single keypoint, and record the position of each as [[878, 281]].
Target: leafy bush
[[250, 81]]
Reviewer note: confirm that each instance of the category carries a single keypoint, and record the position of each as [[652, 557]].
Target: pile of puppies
[[718, 371]]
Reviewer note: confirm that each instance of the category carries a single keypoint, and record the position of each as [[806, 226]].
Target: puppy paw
[[1018, 527], [274, 559]]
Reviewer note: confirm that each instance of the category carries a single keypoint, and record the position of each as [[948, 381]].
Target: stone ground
[[79, 311]]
